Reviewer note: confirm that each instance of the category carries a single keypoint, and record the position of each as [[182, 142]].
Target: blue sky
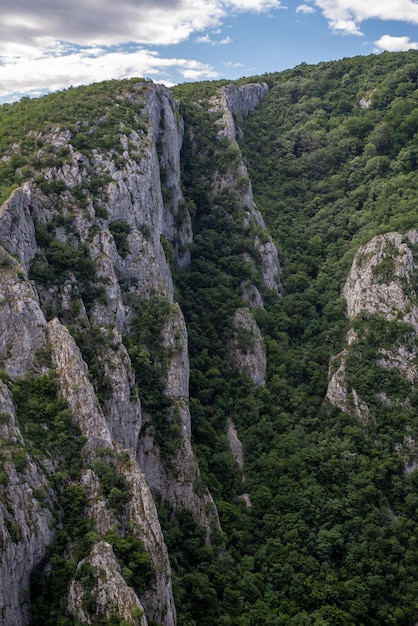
[[51, 44]]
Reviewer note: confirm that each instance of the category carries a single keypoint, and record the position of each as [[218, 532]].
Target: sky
[[47, 45]]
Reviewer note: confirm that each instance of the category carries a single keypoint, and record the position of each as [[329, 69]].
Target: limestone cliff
[[175, 481], [109, 243], [88, 245], [247, 347], [26, 517], [28, 528], [382, 308], [113, 591], [235, 103]]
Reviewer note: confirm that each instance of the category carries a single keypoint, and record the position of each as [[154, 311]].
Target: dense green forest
[[331, 536]]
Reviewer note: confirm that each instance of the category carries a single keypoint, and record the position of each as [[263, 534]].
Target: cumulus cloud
[[51, 44], [346, 15], [305, 8], [70, 65], [26, 24], [395, 44]]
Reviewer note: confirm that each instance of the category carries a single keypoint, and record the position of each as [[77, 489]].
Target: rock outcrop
[[17, 229], [76, 387], [112, 594], [235, 103], [26, 517], [21, 315], [380, 291], [247, 347], [380, 278], [174, 481]]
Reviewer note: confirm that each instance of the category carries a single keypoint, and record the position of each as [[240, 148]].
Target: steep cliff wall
[[247, 346], [243, 258], [26, 516], [178, 491], [382, 307], [89, 233], [28, 521], [235, 103], [89, 319]]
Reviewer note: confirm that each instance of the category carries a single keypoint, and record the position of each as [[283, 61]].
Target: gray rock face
[[380, 284], [123, 409], [26, 533], [140, 193], [104, 253], [112, 593], [238, 454], [177, 486], [136, 199], [17, 229], [123, 230], [26, 524], [235, 444], [240, 101], [175, 342], [270, 265], [247, 347], [158, 599], [21, 319], [243, 99], [379, 278], [141, 515], [76, 387], [251, 295], [168, 131]]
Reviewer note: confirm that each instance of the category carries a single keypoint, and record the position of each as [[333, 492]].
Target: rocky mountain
[[208, 351]]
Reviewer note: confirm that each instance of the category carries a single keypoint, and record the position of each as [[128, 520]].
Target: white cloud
[[305, 8], [395, 44], [163, 22], [199, 73], [214, 42], [204, 39], [345, 16], [50, 44], [63, 67], [26, 24], [254, 5]]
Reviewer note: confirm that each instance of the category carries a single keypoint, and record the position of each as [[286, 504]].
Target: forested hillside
[[209, 352], [330, 536]]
